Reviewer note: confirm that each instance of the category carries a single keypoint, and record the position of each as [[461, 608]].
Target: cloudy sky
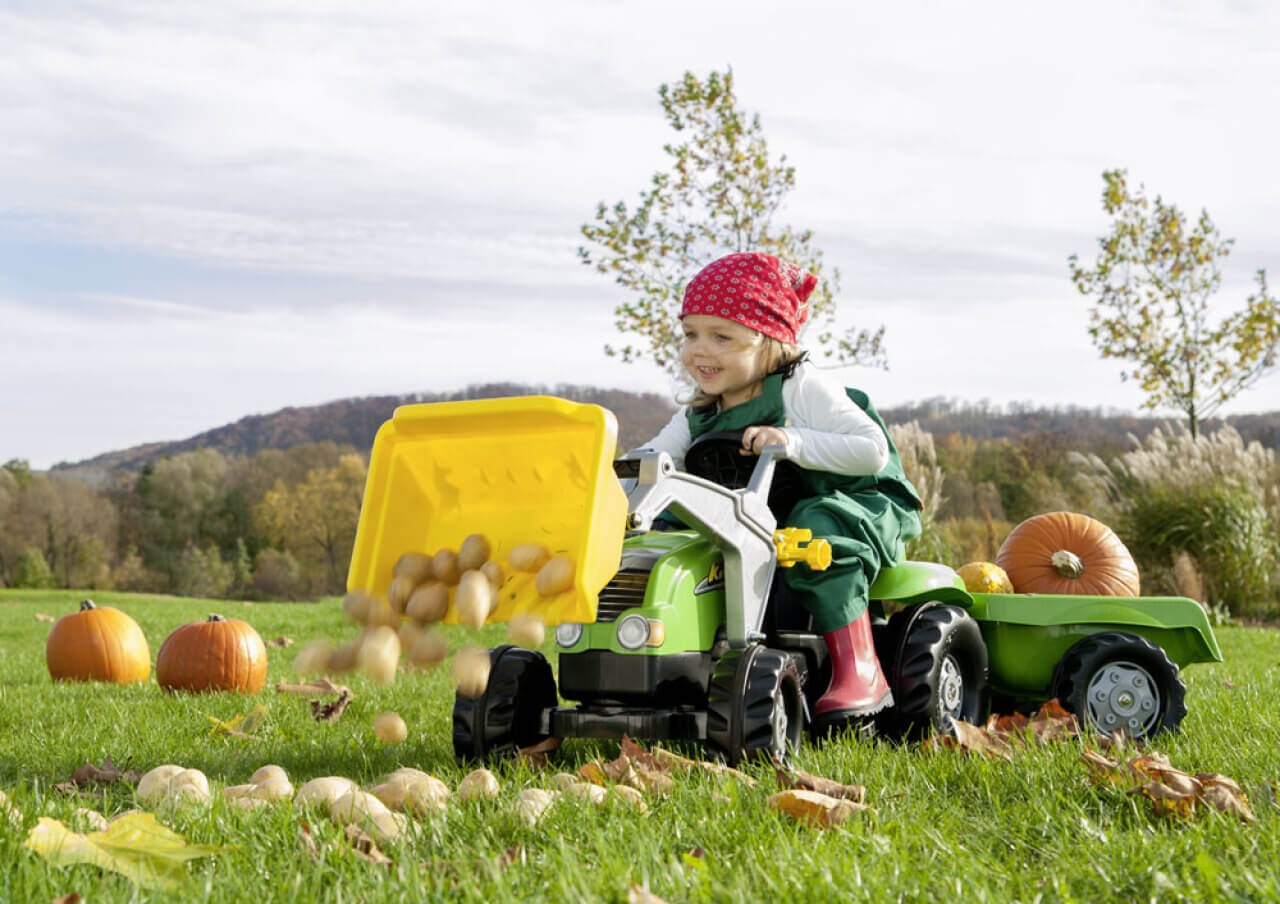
[[216, 209]]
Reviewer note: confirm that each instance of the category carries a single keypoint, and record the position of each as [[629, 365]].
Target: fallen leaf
[[638, 894], [40, 616], [1172, 792], [241, 726], [73, 898], [1224, 800], [1166, 801], [973, 739], [804, 781], [1052, 722], [308, 842], [137, 846], [814, 808], [660, 760], [364, 847], [538, 756], [321, 712], [509, 856], [331, 711], [280, 642], [106, 774]]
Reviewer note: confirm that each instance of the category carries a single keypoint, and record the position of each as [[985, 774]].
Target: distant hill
[[354, 422]]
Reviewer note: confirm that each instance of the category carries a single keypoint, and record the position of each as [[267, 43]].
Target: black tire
[[936, 665], [1121, 682], [508, 714], [755, 706]]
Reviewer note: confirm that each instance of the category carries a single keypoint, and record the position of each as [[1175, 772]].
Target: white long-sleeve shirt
[[825, 429]]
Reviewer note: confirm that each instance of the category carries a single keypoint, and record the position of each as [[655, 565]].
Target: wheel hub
[[779, 724], [1123, 696], [950, 687]]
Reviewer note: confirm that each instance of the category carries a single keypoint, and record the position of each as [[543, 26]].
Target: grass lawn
[[944, 826]]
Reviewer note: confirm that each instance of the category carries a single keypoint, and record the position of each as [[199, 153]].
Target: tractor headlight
[[633, 632], [568, 633]]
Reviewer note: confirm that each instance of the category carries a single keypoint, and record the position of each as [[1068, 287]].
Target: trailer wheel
[[1121, 682], [755, 706], [936, 665], [508, 714]]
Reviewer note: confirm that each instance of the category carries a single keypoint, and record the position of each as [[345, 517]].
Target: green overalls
[[867, 519]]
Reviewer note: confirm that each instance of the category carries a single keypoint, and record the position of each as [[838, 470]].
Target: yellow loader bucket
[[523, 470]]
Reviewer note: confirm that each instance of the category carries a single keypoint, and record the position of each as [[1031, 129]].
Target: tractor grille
[[625, 591]]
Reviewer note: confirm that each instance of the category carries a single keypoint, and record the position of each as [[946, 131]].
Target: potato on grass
[[470, 671], [389, 728], [412, 791], [481, 783], [531, 803], [324, 791], [171, 782]]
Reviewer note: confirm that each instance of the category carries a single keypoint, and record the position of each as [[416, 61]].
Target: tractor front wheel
[[507, 716], [755, 706], [1121, 682]]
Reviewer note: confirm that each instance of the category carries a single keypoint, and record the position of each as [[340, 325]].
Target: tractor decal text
[[713, 581]]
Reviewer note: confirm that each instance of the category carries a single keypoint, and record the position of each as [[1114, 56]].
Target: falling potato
[[428, 650], [527, 629], [313, 658], [473, 600], [398, 592], [492, 570], [478, 784], [415, 566], [470, 671], [528, 557], [390, 728], [555, 577], [473, 552], [379, 653], [428, 602], [356, 605], [343, 657]]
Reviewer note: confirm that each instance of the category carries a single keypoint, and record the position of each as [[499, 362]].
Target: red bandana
[[756, 290]]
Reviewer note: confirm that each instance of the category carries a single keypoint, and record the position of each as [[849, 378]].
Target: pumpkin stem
[[1067, 564], [86, 605], [213, 616]]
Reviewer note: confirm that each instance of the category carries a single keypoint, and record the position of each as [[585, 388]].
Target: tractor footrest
[[615, 722]]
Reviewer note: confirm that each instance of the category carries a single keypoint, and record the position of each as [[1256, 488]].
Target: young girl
[[740, 317]]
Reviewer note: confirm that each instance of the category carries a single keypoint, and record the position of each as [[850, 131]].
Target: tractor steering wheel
[[718, 457]]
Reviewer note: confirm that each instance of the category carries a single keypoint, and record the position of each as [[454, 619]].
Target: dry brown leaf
[[538, 756], [1224, 800], [593, 772], [40, 616], [638, 894], [320, 711], [280, 642], [1102, 769], [804, 781], [509, 856], [973, 739], [1014, 723], [664, 761], [1166, 801], [308, 842], [106, 774], [1172, 792], [814, 808], [331, 711], [73, 898], [1053, 723], [364, 847]]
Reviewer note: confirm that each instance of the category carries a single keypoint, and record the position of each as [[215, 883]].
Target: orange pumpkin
[[1066, 552], [97, 643], [218, 654]]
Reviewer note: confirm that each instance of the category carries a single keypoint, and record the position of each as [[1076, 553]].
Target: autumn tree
[[1155, 274], [720, 194]]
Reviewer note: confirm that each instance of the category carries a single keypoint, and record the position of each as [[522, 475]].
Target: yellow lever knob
[[795, 544]]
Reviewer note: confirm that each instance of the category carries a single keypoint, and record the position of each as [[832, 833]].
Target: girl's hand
[[756, 438]]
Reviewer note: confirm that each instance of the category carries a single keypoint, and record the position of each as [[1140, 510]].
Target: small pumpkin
[[1067, 552], [97, 643], [218, 654], [984, 577]]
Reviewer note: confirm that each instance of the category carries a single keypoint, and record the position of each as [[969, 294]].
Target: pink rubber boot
[[858, 687]]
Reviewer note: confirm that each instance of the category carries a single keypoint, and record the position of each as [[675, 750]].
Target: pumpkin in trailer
[[218, 654], [984, 577], [97, 643], [1068, 553]]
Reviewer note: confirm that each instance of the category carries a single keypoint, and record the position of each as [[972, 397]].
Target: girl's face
[[725, 358]]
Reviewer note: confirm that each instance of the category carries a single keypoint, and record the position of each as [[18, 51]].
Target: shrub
[[276, 576], [31, 571], [201, 572]]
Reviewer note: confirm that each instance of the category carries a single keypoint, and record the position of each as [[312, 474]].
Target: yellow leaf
[[136, 845]]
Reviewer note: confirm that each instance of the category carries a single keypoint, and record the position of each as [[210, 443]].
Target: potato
[[416, 566], [555, 577], [630, 796], [189, 784], [355, 606], [324, 790], [154, 785], [492, 570], [390, 728], [356, 807], [276, 787], [9, 811], [408, 632], [90, 819], [382, 612], [398, 592], [379, 653], [234, 792], [426, 794], [528, 557], [563, 780], [470, 671], [473, 600], [429, 650], [313, 658], [428, 603], [444, 566], [532, 803], [527, 629], [594, 794], [248, 803], [343, 657], [270, 772], [473, 552], [478, 784]]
